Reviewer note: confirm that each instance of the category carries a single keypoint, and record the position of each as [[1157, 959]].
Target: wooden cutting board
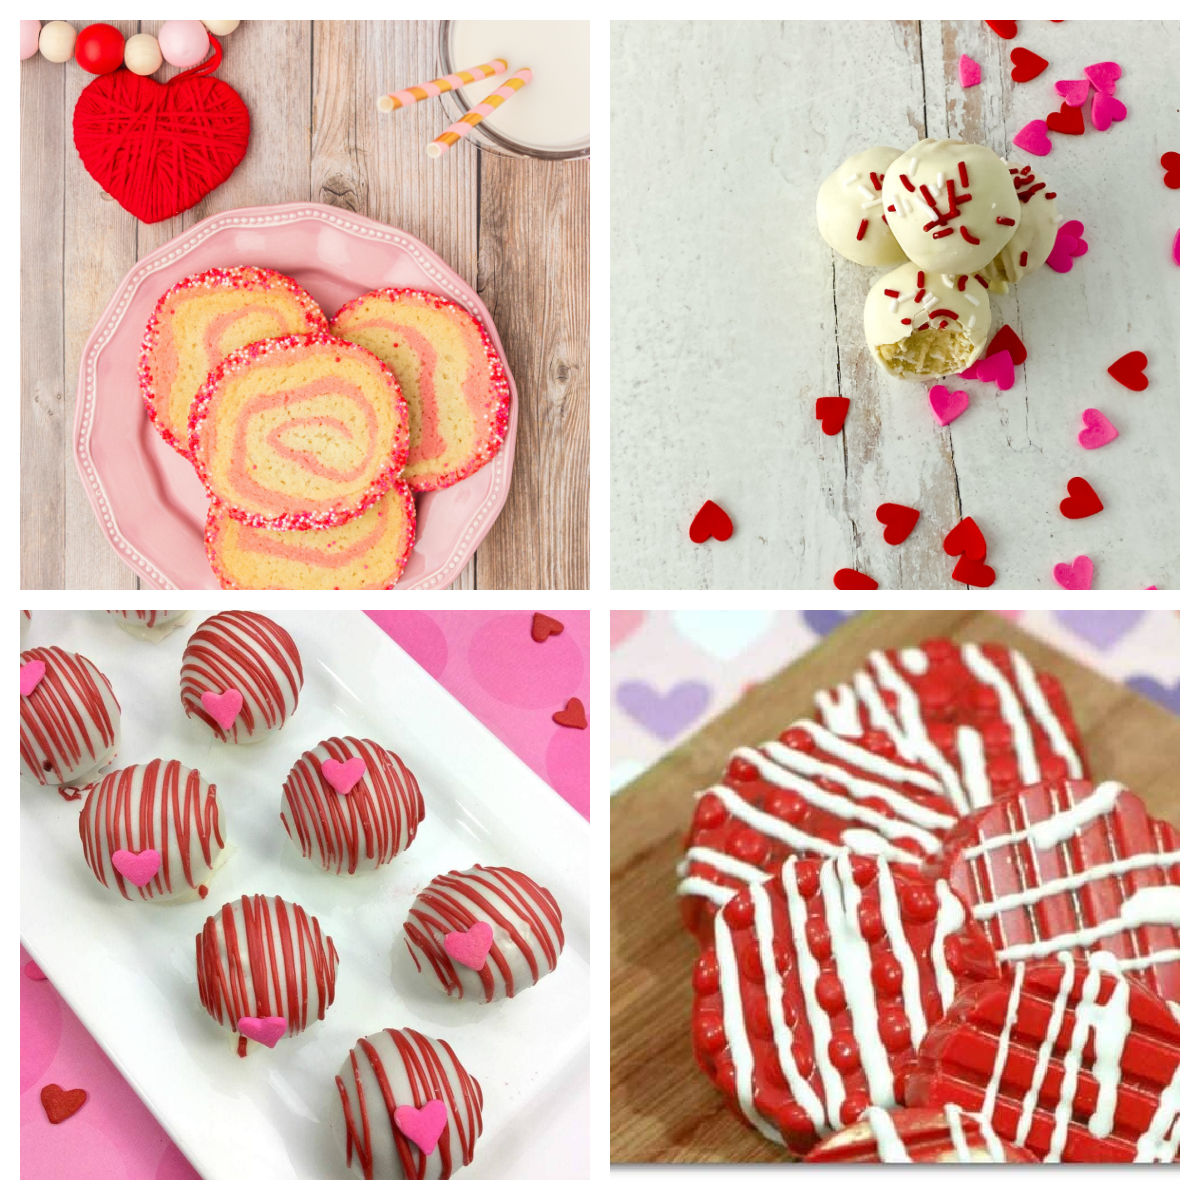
[[663, 1107]]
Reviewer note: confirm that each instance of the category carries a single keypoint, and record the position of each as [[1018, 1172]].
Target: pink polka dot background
[[490, 663]]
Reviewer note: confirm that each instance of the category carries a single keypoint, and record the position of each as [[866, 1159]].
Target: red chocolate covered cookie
[[1074, 866], [978, 717], [917, 1135], [1073, 1060], [820, 985], [810, 791]]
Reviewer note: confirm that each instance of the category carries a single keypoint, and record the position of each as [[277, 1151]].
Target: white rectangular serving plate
[[127, 969]]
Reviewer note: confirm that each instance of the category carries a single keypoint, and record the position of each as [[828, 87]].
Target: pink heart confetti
[[970, 72], [223, 707], [1097, 430], [1104, 76], [1068, 246], [470, 947], [996, 368], [1076, 576], [138, 868], [422, 1126], [342, 776], [1175, 248], [947, 405], [1033, 139], [1106, 110], [32, 673], [33, 971], [1074, 91], [265, 1030]]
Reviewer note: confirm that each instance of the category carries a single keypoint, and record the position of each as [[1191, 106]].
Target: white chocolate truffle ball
[[952, 206], [1034, 239], [220, 28], [142, 55], [150, 624], [922, 324], [850, 213], [57, 41]]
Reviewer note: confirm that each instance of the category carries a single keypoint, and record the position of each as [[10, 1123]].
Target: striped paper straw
[[484, 108], [435, 87]]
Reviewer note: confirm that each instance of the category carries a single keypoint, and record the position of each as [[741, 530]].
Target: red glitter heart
[[1006, 338], [711, 521], [973, 572], [1130, 371], [1081, 500], [1026, 65], [60, 1105], [572, 716], [898, 521], [1004, 29], [1066, 120], [544, 627], [1170, 164], [158, 148], [850, 580], [831, 412], [966, 540]]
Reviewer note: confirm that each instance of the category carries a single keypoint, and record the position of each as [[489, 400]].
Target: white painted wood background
[[730, 316]]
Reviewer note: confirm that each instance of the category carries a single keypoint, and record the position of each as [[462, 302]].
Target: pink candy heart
[[342, 776], [1106, 110], [1068, 246], [470, 948], [265, 1030], [1076, 576], [223, 707], [422, 1126], [1104, 76], [947, 405], [1033, 139], [969, 71], [32, 673], [1175, 248], [1097, 430], [996, 368], [139, 868], [1073, 91]]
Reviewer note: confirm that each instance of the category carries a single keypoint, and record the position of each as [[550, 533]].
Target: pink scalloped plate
[[147, 498]]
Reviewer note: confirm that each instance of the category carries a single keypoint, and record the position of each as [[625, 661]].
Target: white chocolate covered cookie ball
[[850, 212], [1034, 239]]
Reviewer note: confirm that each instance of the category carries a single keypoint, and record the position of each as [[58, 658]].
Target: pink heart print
[[223, 707], [1073, 91], [1105, 110], [947, 405], [470, 948], [1104, 76], [422, 1126], [1068, 246], [1097, 430], [1076, 576], [1033, 139], [342, 776], [970, 72], [265, 1030], [32, 673], [138, 868]]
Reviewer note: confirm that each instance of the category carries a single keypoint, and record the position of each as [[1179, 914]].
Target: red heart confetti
[[60, 1105], [1026, 65], [1068, 246], [572, 716], [1097, 430], [898, 521], [974, 573], [711, 521], [1081, 500], [1074, 576], [1170, 164], [966, 540], [544, 627], [1074, 91], [850, 580], [947, 405], [1067, 120], [1032, 139], [1006, 338], [970, 73], [1004, 29], [1106, 110], [831, 412], [1103, 76], [1130, 371]]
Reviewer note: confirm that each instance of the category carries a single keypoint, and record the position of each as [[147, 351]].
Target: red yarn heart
[[159, 148]]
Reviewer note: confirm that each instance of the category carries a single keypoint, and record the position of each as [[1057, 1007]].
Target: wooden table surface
[[516, 229], [663, 1107], [731, 315]]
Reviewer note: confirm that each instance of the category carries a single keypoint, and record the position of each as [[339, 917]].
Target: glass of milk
[[546, 119]]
